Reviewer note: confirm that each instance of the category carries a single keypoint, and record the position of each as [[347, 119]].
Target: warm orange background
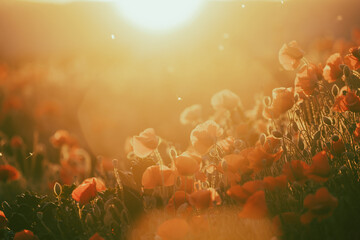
[[116, 88]]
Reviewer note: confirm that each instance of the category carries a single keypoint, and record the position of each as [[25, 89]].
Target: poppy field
[[286, 166]]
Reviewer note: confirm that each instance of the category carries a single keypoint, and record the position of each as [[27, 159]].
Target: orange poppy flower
[[205, 135], [255, 206], [272, 144], [201, 199], [145, 143], [285, 219], [242, 193], [283, 100], [259, 159], [290, 55], [191, 114], [3, 220], [319, 170], [62, 137], [296, 171], [320, 206], [173, 229], [274, 183], [25, 235], [348, 102], [154, 177], [225, 99], [87, 190], [353, 59], [187, 163], [332, 71], [16, 142], [178, 199], [306, 79], [237, 163], [96, 236], [8, 173], [357, 133]]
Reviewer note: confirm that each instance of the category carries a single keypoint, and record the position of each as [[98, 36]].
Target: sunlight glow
[[159, 14]]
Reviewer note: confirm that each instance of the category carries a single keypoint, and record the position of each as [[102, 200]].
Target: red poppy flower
[[87, 191], [8, 173], [348, 102], [96, 236], [237, 163], [3, 220], [283, 100], [320, 206], [290, 55], [173, 229], [353, 59], [62, 137], [201, 199], [337, 147], [242, 193], [357, 133], [145, 143], [178, 199], [332, 70], [296, 171], [306, 79], [187, 163], [191, 114], [25, 235], [154, 177], [255, 206], [285, 219], [205, 135], [259, 159], [225, 99], [274, 183], [320, 169]]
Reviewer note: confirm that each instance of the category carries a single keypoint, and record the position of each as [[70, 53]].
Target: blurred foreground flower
[[290, 55], [8, 173], [173, 229], [25, 235]]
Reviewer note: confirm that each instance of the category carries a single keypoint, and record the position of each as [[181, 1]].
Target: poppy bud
[[267, 101], [301, 144], [335, 138], [335, 90], [327, 120], [57, 189], [262, 139], [317, 135], [294, 126], [347, 71]]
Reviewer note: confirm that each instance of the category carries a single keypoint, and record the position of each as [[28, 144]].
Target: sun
[[159, 14]]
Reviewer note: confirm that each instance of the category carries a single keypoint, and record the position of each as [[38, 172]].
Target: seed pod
[[326, 110], [295, 126], [327, 120], [262, 139], [346, 71], [301, 144], [57, 189], [335, 90], [267, 101], [276, 134], [335, 138]]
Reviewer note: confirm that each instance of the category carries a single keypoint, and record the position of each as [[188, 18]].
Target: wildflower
[[225, 99], [332, 70], [96, 236], [173, 229], [8, 173], [155, 176], [255, 206], [353, 59], [320, 169], [290, 55], [274, 183], [205, 135], [242, 193], [191, 114], [237, 162], [62, 137], [145, 143], [347, 101], [25, 235], [306, 79], [3, 220], [87, 190], [178, 199], [296, 171], [283, 100], [187, 164], [320, 206], [260, 159], [203, 199]]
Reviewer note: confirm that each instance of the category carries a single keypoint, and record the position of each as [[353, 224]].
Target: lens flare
[[159, 14]]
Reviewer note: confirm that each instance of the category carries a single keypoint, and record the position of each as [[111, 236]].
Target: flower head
[[25, 235], [155, 176], [205, 135], [225, 99], [255, 206], [145, 143], [332, 70], [191, 114], [283, 100], [347, 101], [187, 163], [306, 79], [8, 173], [290, 55], [87, 190]]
